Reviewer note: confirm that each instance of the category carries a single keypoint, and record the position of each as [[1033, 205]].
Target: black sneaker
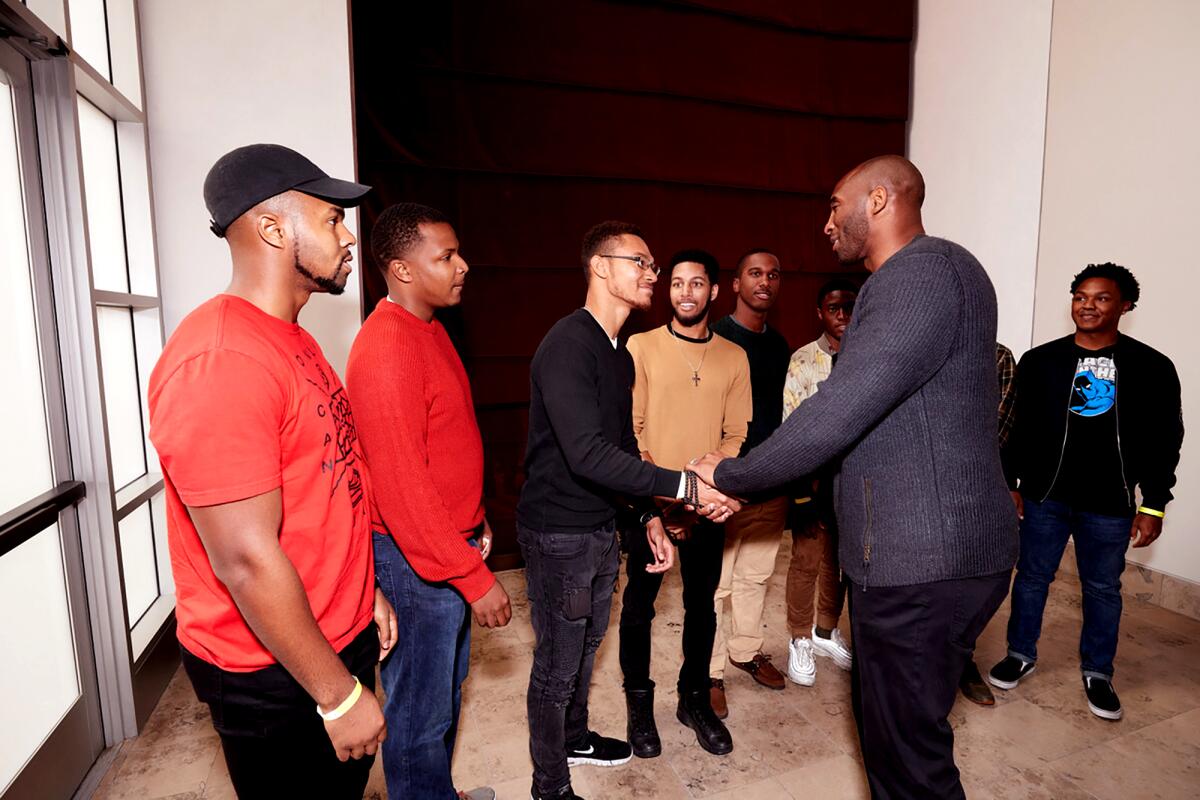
[[1102, 700], [1011, 671], [565, 793], [599, 751]]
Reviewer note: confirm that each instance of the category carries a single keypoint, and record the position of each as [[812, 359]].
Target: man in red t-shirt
[[268, 516], [419, 434]]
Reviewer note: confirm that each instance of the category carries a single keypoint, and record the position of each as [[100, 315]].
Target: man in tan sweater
[[691, 395]]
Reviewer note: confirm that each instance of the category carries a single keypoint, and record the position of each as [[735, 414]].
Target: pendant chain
[[694, 367]]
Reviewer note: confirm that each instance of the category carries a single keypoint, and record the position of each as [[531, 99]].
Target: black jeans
[[274, 742], [569, 579], [910, 646], [700, 568]]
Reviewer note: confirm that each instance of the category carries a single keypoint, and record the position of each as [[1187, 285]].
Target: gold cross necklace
[[694, 367]]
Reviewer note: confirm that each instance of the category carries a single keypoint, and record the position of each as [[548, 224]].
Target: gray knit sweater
[[911, 409]]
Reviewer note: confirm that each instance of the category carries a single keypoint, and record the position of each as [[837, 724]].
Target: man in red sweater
[[416, 423]]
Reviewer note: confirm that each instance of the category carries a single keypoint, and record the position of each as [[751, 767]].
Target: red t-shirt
[[242, 403]]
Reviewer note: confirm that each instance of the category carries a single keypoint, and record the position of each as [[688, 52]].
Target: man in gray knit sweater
[[928, 529]]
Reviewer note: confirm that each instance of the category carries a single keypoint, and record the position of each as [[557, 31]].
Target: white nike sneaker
[[834, 647], [802, 667]]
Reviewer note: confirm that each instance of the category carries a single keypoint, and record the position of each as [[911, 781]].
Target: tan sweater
[[676, 419]]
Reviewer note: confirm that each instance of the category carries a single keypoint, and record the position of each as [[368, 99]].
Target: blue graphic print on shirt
[[1095, 389]]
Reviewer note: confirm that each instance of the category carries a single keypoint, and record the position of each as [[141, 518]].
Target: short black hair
[[835, 285], [599, 235], [398, 228], [753, 251], [1126, 283], [702, 257]]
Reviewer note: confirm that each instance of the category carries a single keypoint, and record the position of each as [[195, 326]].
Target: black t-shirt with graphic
[[1090, 476]]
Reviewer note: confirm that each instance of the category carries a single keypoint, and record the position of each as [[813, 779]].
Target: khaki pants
[[813, 571], [752, 539]]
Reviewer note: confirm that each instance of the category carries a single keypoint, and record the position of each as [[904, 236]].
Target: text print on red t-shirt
[[345, 455]]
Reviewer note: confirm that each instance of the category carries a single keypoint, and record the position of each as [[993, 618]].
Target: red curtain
[[721, 125]]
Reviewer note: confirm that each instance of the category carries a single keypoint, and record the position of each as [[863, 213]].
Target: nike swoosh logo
[[587, 752]]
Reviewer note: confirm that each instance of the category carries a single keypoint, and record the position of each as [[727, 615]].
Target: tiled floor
[[1037, 742]]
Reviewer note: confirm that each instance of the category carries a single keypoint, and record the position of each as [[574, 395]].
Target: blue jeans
[[1100, 545], [422, 677], [570, 578]]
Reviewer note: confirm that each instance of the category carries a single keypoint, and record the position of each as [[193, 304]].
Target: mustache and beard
[[697, 315], [334, 285]]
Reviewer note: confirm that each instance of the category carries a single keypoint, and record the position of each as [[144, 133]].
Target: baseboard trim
[[1147, 585]]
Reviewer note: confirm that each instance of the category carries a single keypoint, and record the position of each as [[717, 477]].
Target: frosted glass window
[[39, 680], [89, 33], [123, 49], [50, 12], [122, 395], [25, 476], [147, 336], [138, 564], [135, 197], [158, 507], [102, 191]]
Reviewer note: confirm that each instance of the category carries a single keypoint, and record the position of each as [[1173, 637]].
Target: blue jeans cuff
[[1021, 656]]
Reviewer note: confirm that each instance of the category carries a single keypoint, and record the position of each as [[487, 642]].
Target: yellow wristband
[[1151, 512], [347, 704]]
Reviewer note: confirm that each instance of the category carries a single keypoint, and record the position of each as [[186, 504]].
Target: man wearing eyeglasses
[[581, 462]]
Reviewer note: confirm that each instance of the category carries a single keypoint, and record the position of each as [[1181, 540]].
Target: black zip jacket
[[1149, 419]]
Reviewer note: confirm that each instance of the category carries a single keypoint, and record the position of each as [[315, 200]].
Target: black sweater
[[769, 355], [1148, 409], [582, 455]]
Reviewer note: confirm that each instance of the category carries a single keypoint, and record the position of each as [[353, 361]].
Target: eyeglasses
[[641, 262]]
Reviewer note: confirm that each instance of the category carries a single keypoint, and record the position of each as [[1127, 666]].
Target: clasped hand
[[714, 504]]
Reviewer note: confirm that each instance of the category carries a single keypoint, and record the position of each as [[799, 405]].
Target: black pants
[[275, 744], [569, 578], [910, 645], [700, 568]]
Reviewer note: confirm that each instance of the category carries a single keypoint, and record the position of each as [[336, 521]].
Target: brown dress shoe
[[716, 697], [761, 669]]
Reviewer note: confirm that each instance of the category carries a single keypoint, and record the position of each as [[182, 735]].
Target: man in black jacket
[[1077, 469], [582, 460]]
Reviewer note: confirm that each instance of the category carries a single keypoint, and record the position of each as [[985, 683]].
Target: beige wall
[[224, 73], [1121, 166], [977, 132]]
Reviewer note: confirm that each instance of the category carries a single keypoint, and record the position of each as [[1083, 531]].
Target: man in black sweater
[[1078, 466], [581, 462], [752, 537], [927, 529]]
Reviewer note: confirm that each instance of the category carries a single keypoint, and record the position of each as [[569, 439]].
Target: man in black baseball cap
[[244, 177], [268, 510]]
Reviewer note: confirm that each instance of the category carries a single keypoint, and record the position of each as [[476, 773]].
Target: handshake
[[701, 494], [700, 497]]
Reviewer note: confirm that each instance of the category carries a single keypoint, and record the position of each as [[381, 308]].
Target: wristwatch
[[653, 513]]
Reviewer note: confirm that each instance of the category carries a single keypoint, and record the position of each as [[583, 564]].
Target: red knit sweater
[[416, 422]]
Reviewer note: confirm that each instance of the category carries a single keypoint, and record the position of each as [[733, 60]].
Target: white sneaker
[[834, 647], [802, 667]]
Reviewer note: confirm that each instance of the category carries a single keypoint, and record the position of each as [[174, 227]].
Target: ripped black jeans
[[570, 579]]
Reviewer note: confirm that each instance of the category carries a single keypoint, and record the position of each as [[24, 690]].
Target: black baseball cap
[[243, 178]]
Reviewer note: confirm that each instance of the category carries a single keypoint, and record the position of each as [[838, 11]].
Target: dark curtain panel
[[712, 123]]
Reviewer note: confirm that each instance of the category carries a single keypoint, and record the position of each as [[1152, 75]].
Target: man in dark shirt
[[582, 460], [752, 537], [1077, 469]]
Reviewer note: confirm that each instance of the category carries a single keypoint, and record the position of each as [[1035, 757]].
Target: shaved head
[[896, 174], [875, 209]]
